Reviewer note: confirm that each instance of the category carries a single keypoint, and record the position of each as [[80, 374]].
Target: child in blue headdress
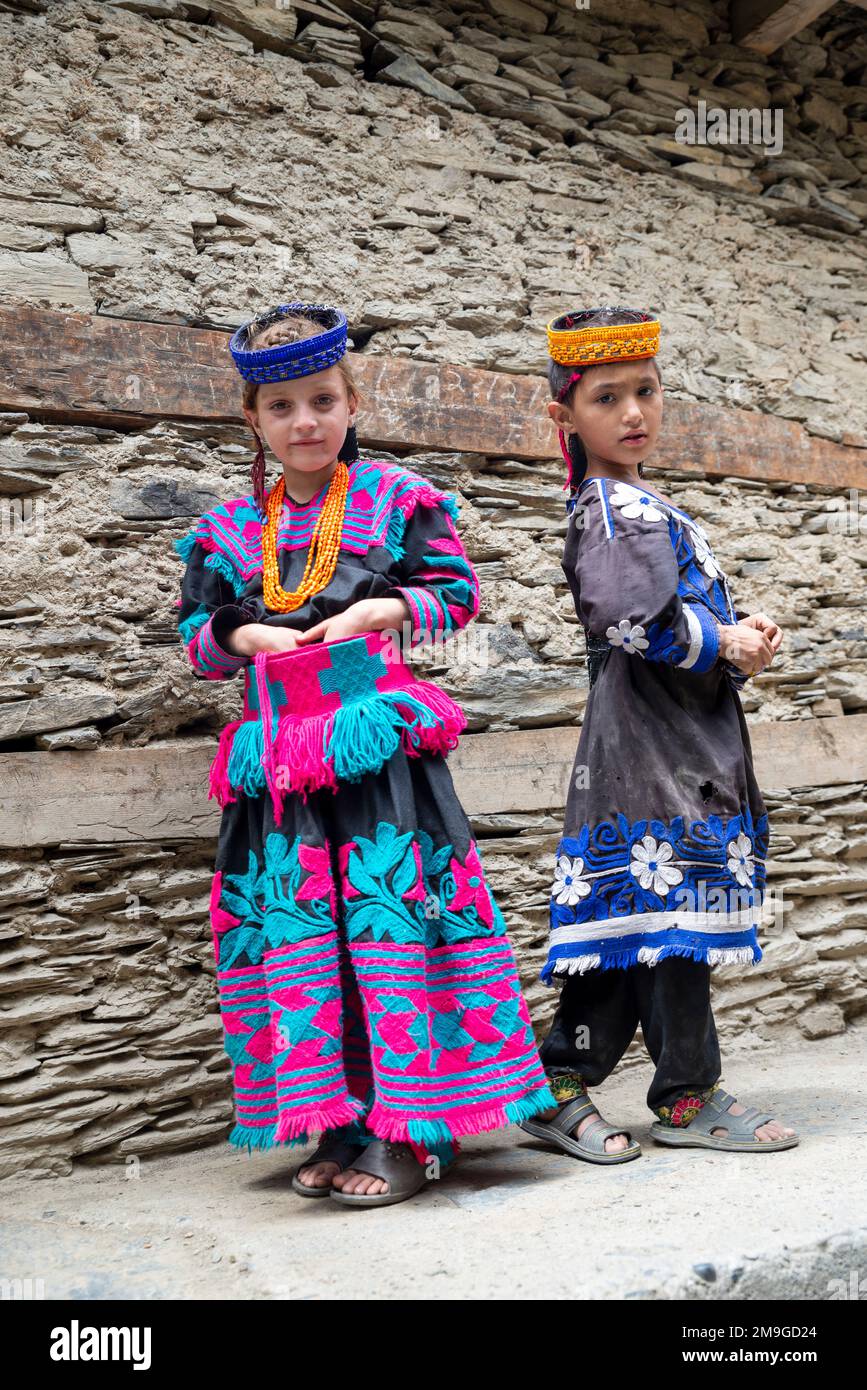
[[367, 986]]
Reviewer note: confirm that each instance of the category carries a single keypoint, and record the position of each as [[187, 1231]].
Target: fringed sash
[[329, 713]]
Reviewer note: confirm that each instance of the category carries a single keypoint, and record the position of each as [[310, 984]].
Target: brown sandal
[[396, 1164]]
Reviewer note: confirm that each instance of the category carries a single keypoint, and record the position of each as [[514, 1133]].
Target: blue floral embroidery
[[612, 851], [663, 646]]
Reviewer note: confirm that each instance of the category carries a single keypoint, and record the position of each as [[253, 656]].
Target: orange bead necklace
[[324, 545]]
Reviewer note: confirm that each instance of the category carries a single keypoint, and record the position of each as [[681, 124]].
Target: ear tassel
[[565, 454]]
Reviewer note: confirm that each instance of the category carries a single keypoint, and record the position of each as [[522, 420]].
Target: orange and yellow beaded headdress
[[573, 346]]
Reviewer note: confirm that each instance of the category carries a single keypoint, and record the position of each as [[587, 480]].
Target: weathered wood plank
[[128, 373], [161, 793], [765, 25]]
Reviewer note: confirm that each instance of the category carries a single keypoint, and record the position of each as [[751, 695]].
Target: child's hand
[[368, 615], [764, 624], [746, 647], [260, 637]]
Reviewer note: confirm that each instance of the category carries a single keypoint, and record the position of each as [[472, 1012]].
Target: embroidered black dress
[[363, 965], [665, 834]]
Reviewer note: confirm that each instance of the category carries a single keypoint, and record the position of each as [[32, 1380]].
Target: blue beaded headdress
[[285, 361]]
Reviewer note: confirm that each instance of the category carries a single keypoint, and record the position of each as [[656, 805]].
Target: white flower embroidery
[[740, 859], [632, 502], [568, 887], [705, 558], [650, 865], [631, 639]]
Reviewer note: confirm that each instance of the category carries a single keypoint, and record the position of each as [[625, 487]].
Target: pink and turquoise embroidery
[[421, 1028], [379, 494], [440, 587]]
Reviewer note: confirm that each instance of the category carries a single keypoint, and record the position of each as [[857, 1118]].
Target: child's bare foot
[[318, 1174], [351, 1180], [772, 1130], [613, 1143]]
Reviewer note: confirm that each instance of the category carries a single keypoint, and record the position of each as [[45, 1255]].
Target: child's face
[[610, 403], [304, 421]]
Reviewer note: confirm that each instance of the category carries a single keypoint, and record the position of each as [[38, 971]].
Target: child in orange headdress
[[660, 870]]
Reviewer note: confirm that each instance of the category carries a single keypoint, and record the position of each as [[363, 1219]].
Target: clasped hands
[[750, 644], [367, 615]]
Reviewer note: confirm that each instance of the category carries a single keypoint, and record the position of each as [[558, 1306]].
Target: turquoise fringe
[[366, 733], [191, 625], [244, 768], [255, 1137], [394, 535], [225, 567], [393, 541], [185, 544], [528, 1106]]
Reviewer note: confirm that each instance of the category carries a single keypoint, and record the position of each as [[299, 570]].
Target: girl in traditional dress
[[661, 868], [367, 987]]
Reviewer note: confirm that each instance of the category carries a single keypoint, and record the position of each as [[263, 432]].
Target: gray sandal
[[591, 1146], [715, 1114], [332, 1149], [396, 1164]]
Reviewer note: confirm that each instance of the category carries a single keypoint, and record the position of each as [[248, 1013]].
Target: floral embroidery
[[568, 886], [685, 1109], [634, 503], [266, 908], [740, 859], [472, 889], [663, 647], [567, 1086], [406, 890], [704, 556], [631, 639], [650, 865], [384, 872]]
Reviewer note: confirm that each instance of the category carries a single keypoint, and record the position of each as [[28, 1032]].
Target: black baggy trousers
[[600, 1010]]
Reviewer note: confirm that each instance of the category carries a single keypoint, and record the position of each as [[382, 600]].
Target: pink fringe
[[296, 762], [439, 738], [294, 1123], [428, 495], [299, 752], [218, 780]]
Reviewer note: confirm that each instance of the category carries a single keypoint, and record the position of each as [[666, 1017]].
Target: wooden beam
[[765, 25], [156, 794], [126, 374]]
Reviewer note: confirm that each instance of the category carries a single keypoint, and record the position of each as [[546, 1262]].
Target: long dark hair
[[563, 380]]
